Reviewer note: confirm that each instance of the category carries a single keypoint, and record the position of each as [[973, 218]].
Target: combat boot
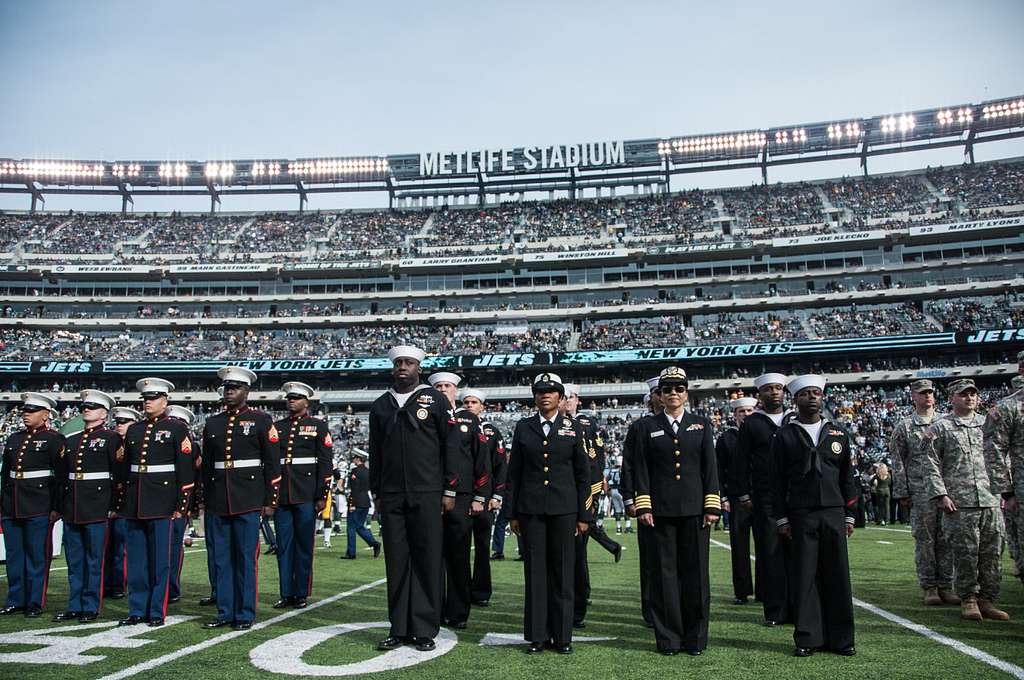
[[931, 597], [948, 597], [989, 611], [969, 608]]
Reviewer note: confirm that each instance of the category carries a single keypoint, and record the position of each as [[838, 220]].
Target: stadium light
[[52, 169], [962, 116], [173, 171], [122, 170], [715, 144], [793, 136], [332, 167], [1003, 110], [222, 171], [270, 169], [837, 132], [902, 124]]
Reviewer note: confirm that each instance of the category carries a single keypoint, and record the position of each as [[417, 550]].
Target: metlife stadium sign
[[526, 159]]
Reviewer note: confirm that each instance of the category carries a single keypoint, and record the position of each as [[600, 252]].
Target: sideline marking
[[973, 652]]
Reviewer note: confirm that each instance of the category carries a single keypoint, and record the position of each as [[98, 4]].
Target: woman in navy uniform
[[550, 478], [87, 480], [676, 481], [29, 494]]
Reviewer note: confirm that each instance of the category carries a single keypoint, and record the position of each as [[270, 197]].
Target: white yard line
[[900, 531], [973, 652], [206, 644]]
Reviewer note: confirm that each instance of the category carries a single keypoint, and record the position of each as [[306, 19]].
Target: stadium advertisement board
[[976, 225]]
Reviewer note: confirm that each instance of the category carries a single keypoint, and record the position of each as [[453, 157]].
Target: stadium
[[597, 261]]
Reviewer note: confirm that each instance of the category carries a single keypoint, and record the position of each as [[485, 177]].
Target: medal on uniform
[[837, 448], [422, 414]]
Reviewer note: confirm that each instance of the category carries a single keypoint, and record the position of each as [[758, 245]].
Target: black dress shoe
[[424, 644], [348, 557], [847, 651], [740, 600], [803, 652], [65, 616], [563, 649], [155, 622], [771, 623], [86, 617], [481, 603], [520, 558], [669, 652], [115, 595], [694, 652], [130, 621], [458, 625], [535, 648], [497, 556], [376, 550], [207, 601], [219, 623], [390, 642], [299, 602], [242, 625], [33, 612], [283, 603], [172, 600], [579, 624], [272, 550], [618, 554]]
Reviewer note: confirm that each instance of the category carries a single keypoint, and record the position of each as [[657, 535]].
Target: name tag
[[657, 433]]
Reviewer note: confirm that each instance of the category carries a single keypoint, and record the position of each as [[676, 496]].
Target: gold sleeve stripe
[[643, 502], [589, 503], [595, 488]]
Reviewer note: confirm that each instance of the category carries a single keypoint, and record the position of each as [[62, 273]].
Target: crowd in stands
[[741, 328], [878, 197], [92, 232], [981, 186], [778, 205], [1005, 311], [867, 321]]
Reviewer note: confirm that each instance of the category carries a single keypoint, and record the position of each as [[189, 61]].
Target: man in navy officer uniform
[[241, 483], [739, 517], [115, 566], [468, 482], [158, 489], [307, 470], [409, 459], [87, 495], [29, 494], [179, 524], [473, 400], [358, 493]]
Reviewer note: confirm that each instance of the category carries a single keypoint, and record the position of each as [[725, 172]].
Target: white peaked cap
[[181, 413], [124, 412], [237, 374], [38, 399], [296, 387], [157, 385], [97, 397]]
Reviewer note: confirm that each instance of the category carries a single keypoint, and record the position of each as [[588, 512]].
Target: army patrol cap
[[181, 413], [548, 382], [444, 377], [297, 390], [37, 401], [962, 385], [125, 414], [673, 375], [236, 375], [154, 387], [93, 399], [922, 385], [473, 392]]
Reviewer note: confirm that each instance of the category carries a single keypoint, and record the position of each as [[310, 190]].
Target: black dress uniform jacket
[[469, 470], [595, 456], [304, 438], [725, 454], [155, 495], [675, 475], [233, 436], [495, 447], [91, 452], [27, 451], [751, 469], [359, 487], [549, 475], [806, 476]]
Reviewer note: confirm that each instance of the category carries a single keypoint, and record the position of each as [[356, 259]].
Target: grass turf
[[882, 570]]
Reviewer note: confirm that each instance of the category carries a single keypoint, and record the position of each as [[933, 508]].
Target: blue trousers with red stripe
[[114, 568], [28, 546], [177, 555], [296, 525], [148, 543], [84, 548], [236, 540]]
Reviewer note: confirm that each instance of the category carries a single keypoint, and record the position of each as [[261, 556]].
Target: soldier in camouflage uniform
[[932, 554], [1004, 438], [967, 485]]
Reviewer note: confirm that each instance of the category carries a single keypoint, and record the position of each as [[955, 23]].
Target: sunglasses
[[152, 397], [88, 406], [123, 421], [31, 409], [673, 389], [295, 397]]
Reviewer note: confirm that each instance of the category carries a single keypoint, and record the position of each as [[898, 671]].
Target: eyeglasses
[[673, 389]]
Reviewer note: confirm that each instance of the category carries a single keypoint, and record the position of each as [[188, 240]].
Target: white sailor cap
[[646, 400], [299, 389], [154, 386], [126, 413], [473, 392], [220, 392], [572, 390], [181, 413], [652, 383], [97, 398], [444, 377], [769, 379], [37, 401], [358, 453], [743, 402], [548, 382], [407, 351], [802, 382], [236, 374]]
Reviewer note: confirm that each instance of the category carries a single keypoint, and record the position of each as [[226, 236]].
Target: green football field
[[897, 637]]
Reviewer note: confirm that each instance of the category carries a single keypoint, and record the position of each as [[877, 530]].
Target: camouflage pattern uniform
[[1004, 439], [959, 468], [932, 553]]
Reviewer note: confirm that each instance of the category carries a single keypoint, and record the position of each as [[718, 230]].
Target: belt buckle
[[228, 464], [142, 468], [19, 475], [79, 475]]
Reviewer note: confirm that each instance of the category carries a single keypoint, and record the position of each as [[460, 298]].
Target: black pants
[[740, 521], [823, 600], [411, 528], [581, 579], [680, 587], [550, 549], [644, 542], [458, 532], [480, 590], [772, 567], [602, 538]]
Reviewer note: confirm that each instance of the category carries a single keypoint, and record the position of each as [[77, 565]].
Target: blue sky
[[208, 80]]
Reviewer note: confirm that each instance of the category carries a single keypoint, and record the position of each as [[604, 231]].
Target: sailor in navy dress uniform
[[474, 400], [677, 495], [87, 482], [307, 470], [468, 482], [28, 504], [550, 477], [241, 483], [179, 524], [115, 566], [158, 489], [739, 517], [815, 498], [409, 463]]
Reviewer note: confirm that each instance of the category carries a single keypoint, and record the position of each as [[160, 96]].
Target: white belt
[[243, 463], [300, 461], [34, 474], [76, 476], [153, 468]]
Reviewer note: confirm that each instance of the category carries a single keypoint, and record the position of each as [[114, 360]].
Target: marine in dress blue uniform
[[115, 566], [28, 504], [307, 470], [158, 488], [179, 524], [241, 483], [87, 482]]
